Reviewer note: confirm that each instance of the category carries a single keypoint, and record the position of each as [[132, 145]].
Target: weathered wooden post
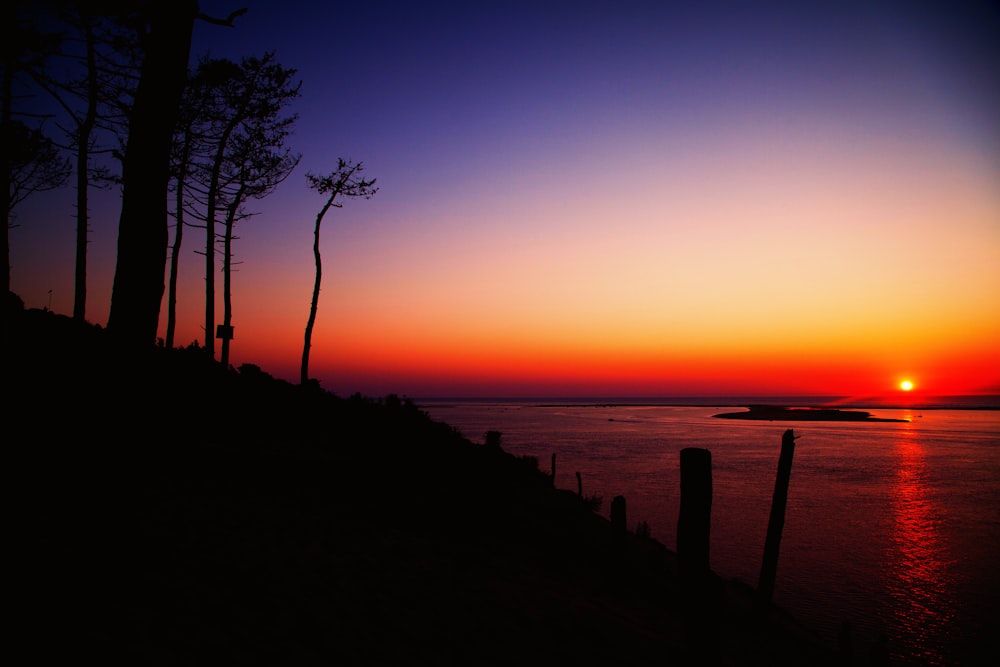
[[769, 566], [618, 520], [579, 485], [553, 468], [694, 524]]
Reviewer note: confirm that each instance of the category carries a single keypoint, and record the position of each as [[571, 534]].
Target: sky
[[610, 199]]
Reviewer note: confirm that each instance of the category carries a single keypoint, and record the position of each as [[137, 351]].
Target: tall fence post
[[618, 518], [772, 545], [694, 523]]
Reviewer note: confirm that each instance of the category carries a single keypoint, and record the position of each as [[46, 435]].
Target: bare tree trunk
[[210, 260], [175, 253], [314, 306], [80, 284], [227, 281], [142, 228], [210, 209], [82, 183], [340, 183]]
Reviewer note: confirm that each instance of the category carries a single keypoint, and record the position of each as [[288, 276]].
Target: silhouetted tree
[[259, 164], [84, 129], [202, 111], [142, 230], [345, 181], [33, 164], [99, 59], [237, 104], [249, 97], [142, 227], [29, 161]]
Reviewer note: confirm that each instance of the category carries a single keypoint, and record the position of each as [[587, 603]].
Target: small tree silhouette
[[31, 163], [245, 106], [345, 181], [195, 145]]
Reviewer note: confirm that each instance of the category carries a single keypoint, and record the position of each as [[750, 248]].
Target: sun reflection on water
[[920, 581]]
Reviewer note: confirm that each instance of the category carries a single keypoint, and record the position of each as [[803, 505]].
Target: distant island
[[776, 413]]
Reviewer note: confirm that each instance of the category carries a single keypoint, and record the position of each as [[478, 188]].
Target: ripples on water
[[892, 526], [922, 580]]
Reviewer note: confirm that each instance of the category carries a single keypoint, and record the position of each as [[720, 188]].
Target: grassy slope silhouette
[[169, 511]]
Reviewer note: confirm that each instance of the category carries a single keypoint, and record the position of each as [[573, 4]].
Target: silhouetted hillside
[[169, 511]]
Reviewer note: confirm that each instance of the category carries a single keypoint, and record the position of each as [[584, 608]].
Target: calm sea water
[[894, 527]]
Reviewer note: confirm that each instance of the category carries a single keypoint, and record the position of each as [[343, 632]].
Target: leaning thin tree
[[346, 181]]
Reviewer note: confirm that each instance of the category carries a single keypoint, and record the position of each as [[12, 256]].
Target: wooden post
[[553, 468], [618, 520], [579, 485], [769, 566], [694, 524]]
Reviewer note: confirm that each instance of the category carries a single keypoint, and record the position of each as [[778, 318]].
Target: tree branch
[[228, 21]]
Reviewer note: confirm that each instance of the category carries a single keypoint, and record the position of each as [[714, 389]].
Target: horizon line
[[944, 401]]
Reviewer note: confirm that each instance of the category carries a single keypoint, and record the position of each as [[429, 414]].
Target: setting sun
[[906, 385]]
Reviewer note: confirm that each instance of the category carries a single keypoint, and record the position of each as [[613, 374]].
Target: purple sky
[[586, 181]]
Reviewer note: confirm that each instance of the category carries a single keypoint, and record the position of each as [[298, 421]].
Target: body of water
[[892, 526]]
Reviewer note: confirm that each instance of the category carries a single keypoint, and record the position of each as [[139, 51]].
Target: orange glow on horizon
[[533, 368]]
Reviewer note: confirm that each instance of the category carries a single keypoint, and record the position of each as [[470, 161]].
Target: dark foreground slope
[[167, 511]]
